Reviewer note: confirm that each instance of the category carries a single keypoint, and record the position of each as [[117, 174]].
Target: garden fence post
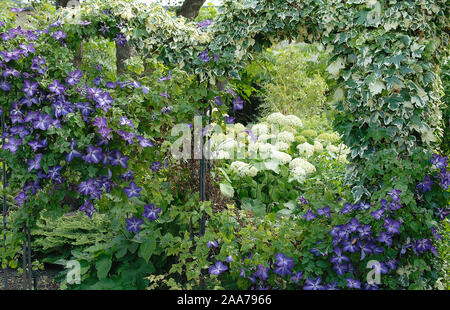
[[5, 271]]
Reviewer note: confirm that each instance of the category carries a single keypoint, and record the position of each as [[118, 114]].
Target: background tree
[[190, 8]]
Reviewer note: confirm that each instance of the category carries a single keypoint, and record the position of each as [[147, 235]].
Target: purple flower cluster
[[150, 212]]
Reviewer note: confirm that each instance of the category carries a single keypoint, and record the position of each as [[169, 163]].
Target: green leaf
[[147, 249], [254, 205], [103, 265], [226, 189]]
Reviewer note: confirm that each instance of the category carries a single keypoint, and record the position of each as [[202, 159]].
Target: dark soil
[[43, 280]]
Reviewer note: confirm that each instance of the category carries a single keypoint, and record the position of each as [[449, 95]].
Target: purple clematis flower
[[205, 23], [54, 172], [394, 205], [30, 88], [297, 276], [150, 212], [21, 198], [394, 193], [365, 231], [435, 233], [392, 264], [73, 153], [118, 159], [309, 215], [35, 164], [166, 110], [426, 184], [377, 214], [262, 272], [39, 65], [212, 244], [127, 136], [124, 121], [229, 120], [165, 78], [340, 269], [74, 77], [88, 208], [438, 161], [204, 56], [238, 104], [385, 238], [392, 226], [133, 190], [283, 264], [87, 187], [324, 211], [347, 208], [105, 133], [218, 100], [93, 155], [27, 49], [43, 122], [165, 95], [120, 39], [353, 225], [20, 130], [134, 224], [156, 166], [423, 245], [10, 72], [59, 35], [12, 144], [313, 284], [218, 268], [350, 246], [100, 122], [339, 257], [5, 86], [144, 142], [352, 283], [444, 179]]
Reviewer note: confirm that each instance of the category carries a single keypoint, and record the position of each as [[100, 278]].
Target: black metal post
[[5, 271], [30, 270], [24, 263]]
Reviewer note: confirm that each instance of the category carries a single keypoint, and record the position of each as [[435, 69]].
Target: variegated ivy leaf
[[336, 66], [376, 88]]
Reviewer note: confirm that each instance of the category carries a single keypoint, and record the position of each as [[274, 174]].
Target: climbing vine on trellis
[[385, 58]]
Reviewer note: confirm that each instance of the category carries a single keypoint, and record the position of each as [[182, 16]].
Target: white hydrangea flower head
[[305, 149], [243, 169], [217, 139], [343, 159], [293, 120], [318, 147], [238, 128], [265, 137], [260, 129], [332, 149], [282, 157], [298, 173], [282, 146], [276, 118], [327, 137], [286, 136], [220, 154], [228, 145], [302, 163]]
